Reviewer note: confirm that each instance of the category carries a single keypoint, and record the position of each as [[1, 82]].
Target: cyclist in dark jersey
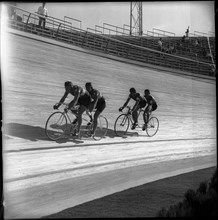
[[140, 103], [81, 98], [151, 106], [98, 103]]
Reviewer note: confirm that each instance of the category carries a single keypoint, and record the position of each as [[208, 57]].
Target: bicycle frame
[[101, 129], [123, 121], [129, 114]]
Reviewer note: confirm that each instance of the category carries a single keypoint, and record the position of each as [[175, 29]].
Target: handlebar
[[76, 107], [66, 104], [130, 109]]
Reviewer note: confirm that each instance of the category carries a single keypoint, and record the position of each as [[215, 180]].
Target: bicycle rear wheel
[[55, 126], [121, 125], [101, 129], [152, 126]]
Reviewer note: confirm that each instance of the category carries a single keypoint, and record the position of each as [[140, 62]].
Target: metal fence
[[97, 40]]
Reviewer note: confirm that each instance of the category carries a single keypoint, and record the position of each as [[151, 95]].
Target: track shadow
[[111, 134], [37, 133], [29, 132]]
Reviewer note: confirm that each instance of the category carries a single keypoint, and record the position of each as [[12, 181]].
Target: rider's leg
[[147, 113], [81, 110], [135, 114], [135, 117], [145, 117], [99, 109], [90, 107], [95, 121]]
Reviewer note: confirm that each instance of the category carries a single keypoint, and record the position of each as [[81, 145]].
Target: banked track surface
[[43, 177]]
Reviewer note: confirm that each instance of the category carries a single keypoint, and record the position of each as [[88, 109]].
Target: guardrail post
[[27, 21], [107, 46], [84, 38], [58, 30]]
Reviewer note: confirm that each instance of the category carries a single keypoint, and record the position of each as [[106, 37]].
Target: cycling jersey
[[151, 102], [96, 94], [101, 104], [84, 96], [138, 97]]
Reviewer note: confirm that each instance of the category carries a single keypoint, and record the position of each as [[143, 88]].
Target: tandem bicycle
[[62, 124], [124, 120]]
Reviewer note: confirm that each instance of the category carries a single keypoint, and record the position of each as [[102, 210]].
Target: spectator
[[213, 69], [11, 12], [203, 52], [187, 32], [13, 15], [196, 43], [183, 39], [172, 49], [209, 56], [160, 44], [44, 13]]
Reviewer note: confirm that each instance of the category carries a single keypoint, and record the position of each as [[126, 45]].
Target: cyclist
[[140, 103], [98, 103], [151, 106], [81, 98]]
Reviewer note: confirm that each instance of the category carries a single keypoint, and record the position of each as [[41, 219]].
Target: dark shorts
[[84, 100], [154, 107], [142, 104], [101, 104]]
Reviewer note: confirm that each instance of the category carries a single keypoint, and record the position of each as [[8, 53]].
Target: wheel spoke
[[152, 126], [101, 129], [121, 125], [56, 126]]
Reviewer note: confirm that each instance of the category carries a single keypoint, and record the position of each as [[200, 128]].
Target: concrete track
[[42, 177]]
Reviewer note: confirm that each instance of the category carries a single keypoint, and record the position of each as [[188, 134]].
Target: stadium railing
[[60, 30]]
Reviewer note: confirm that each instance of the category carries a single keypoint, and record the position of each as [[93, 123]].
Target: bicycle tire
[[101, 129], [152, 126], [55, 126], [121, 125]]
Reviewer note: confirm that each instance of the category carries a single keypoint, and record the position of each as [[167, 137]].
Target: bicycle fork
[[124, 121]]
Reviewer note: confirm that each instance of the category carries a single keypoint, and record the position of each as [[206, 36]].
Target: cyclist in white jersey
[[81, 98]]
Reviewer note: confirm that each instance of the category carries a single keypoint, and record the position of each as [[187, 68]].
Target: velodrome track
[[42, 177]]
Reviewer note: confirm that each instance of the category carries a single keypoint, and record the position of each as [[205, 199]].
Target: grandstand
[[185, 56]]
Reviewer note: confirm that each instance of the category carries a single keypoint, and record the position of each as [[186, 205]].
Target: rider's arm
[[75, 100], [63, 99], [96, 97], [127, 101], [136, 104]]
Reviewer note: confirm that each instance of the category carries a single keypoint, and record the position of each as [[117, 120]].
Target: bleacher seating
[[139, 48]]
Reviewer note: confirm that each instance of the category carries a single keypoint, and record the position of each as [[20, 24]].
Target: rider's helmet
[[88, 84], [147, 91], [68, 83], [132, 90]]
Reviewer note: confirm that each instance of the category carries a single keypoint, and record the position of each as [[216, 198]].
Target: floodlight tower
[[136, 18]]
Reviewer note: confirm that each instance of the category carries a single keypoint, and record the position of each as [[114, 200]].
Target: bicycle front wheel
[[152, 126], [101, 129], [121, 125], [56, 126]]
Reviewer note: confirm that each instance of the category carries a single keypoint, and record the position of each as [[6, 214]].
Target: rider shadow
[[111, 134], [37, 133], [29, 132]]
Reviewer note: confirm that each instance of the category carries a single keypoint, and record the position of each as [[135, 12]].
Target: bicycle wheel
[[101, 129], [152, 126], [121, 125], [56, 126]]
